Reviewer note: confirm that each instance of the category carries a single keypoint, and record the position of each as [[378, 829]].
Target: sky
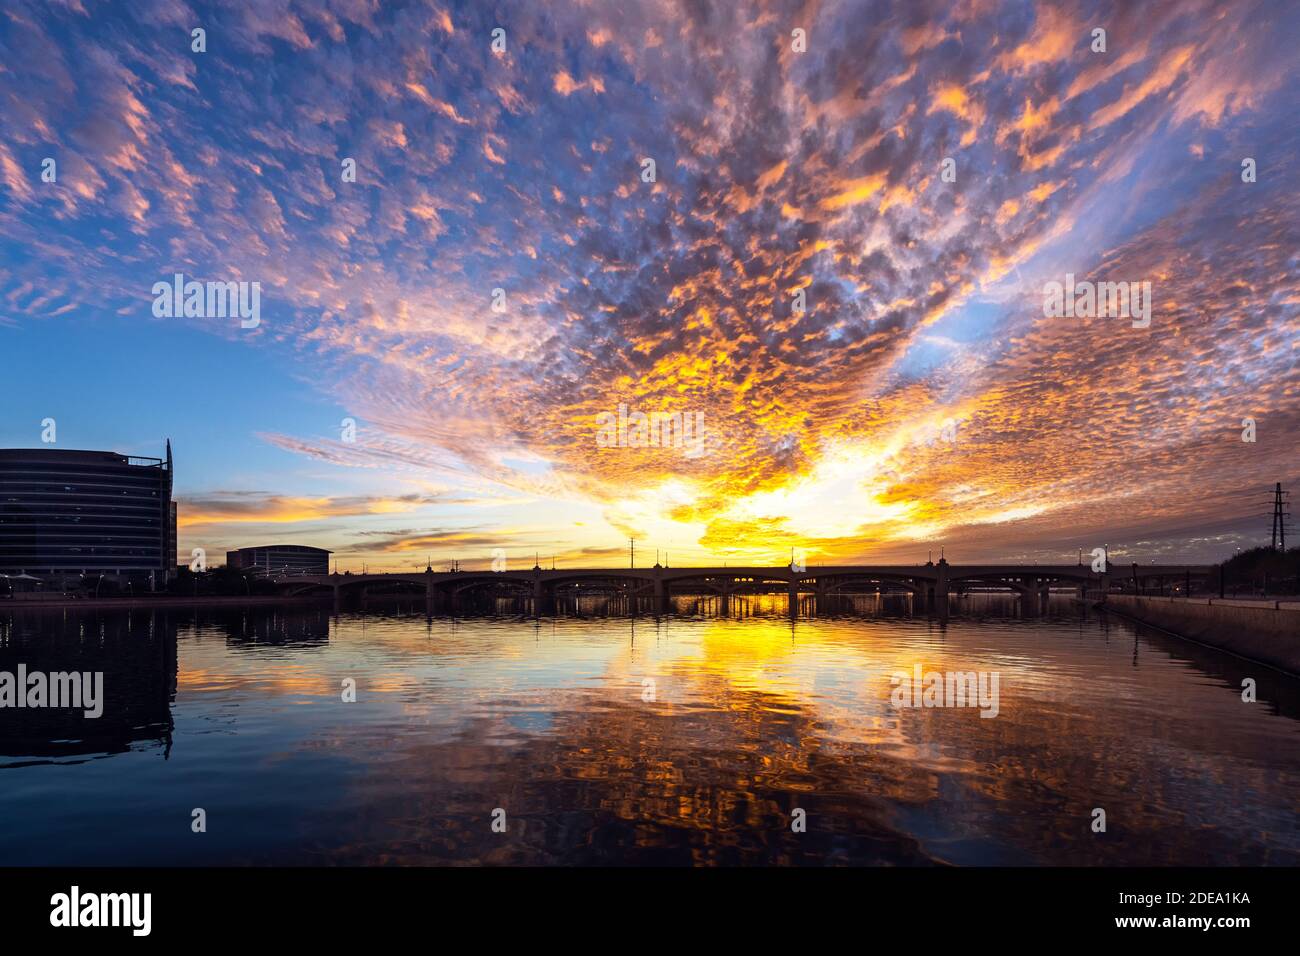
[[837, 267]]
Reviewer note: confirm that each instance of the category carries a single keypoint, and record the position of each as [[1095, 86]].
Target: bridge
[[931, 583]]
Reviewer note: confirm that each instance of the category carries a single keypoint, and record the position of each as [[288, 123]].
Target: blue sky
[[780, 170]]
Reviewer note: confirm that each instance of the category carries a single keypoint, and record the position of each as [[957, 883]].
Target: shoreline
[[1263, 631], [155, 602]]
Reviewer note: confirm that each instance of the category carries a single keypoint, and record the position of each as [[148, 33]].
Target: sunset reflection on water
[[686, 740]]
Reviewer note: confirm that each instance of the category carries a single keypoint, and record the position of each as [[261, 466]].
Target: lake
[[691, 739]]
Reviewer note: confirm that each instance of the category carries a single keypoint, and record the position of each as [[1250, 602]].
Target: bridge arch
[[722, 581], [835, 583], [554, 579]]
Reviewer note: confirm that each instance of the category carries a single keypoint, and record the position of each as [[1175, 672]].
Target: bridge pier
[[661, 596], [794, 596], [941, 589], [543, 604], [1029, 597]]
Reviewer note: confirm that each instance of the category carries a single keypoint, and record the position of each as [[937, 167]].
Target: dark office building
[[274, 559], [65, 513]]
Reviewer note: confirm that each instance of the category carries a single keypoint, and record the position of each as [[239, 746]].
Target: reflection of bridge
[[931, 583]]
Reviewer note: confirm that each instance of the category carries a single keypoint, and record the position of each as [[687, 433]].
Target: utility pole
[[631, 544], [1281, 515]]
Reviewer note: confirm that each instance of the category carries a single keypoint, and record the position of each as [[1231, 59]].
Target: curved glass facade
[[67, 512]]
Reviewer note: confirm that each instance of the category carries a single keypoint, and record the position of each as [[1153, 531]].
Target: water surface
[[686, 740]]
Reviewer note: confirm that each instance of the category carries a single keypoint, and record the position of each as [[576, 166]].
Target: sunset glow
[[920, 399]]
